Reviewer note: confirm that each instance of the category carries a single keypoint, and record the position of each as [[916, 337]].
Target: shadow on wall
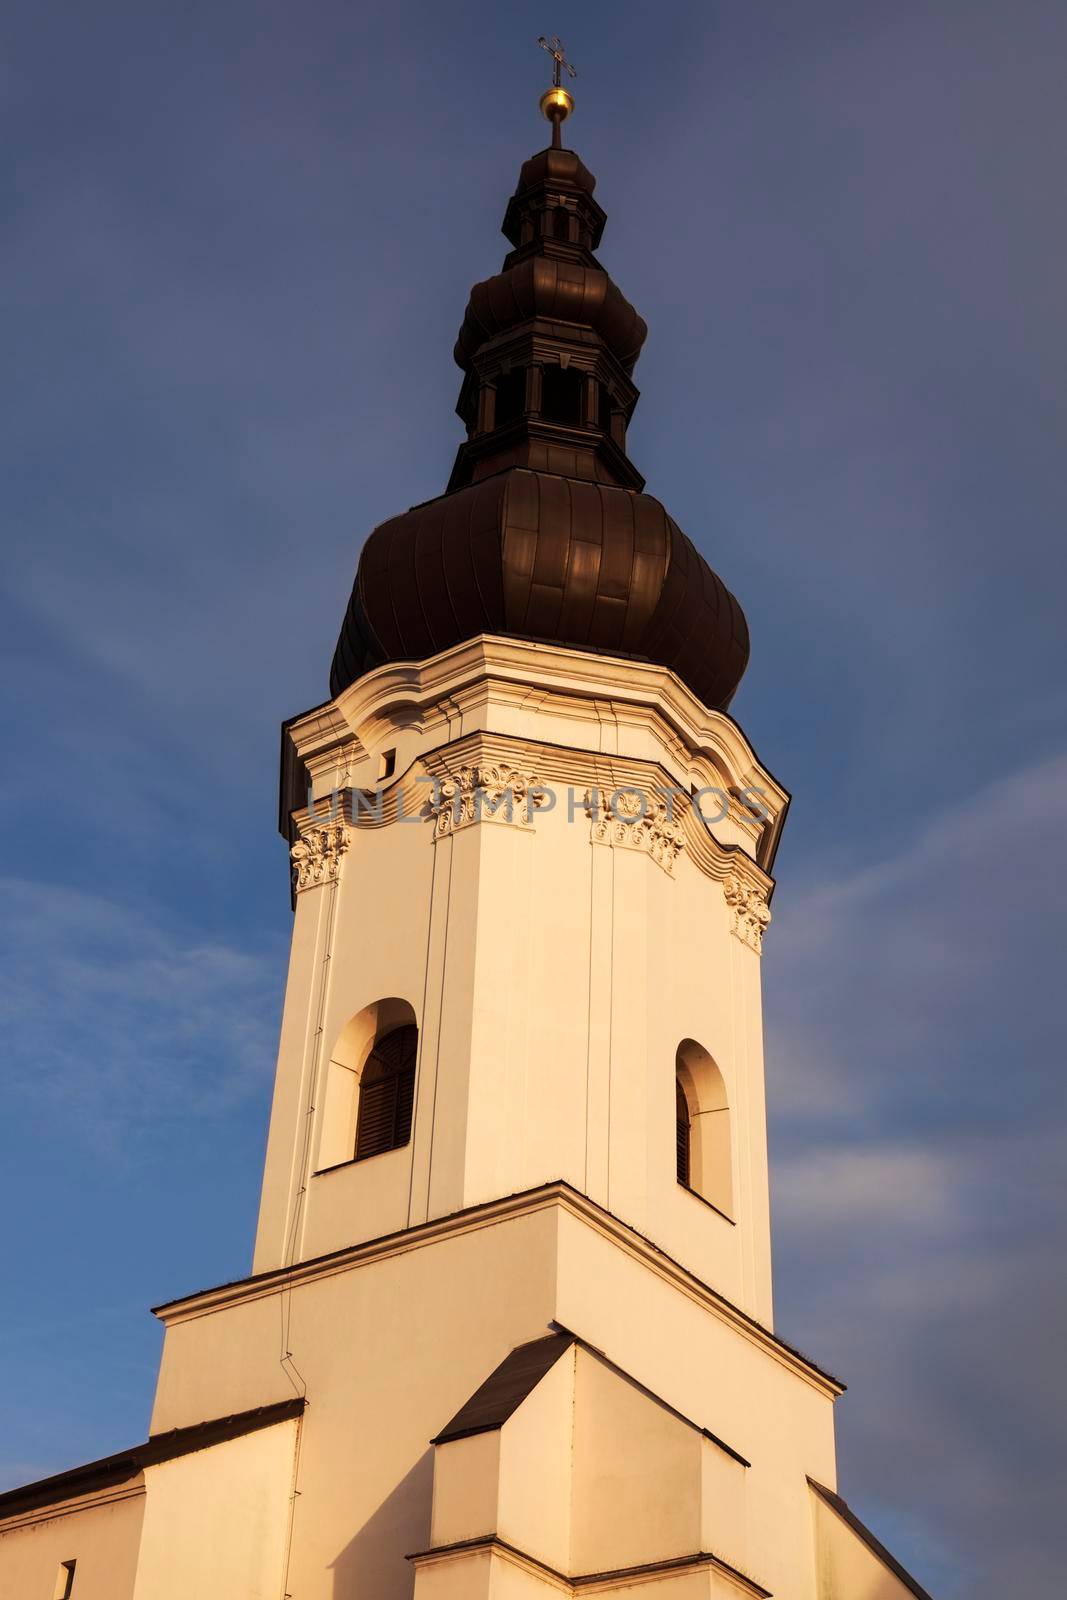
[[374, 1561]]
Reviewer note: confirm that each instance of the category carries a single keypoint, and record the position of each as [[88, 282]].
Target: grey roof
[[864, 1534], [504, 1390], [119, 1468]]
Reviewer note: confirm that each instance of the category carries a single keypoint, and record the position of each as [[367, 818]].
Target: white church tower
[[509, 1332]]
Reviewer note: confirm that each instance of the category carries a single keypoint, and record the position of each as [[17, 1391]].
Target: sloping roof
[[504, 1390], [657, 1399], [518, 1375], [864, 1534], [119, 1468], [560, 1186]]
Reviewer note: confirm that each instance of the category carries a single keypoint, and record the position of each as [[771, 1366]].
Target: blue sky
[[237, 245]]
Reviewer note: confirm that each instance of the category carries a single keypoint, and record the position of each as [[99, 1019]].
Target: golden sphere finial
[[556, 103]]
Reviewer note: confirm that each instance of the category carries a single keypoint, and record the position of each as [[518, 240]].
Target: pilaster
[[534, 886]]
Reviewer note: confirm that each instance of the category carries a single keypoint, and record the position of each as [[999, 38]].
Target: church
[[509, 1330]]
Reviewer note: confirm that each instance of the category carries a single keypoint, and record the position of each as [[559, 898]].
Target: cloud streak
[[119, 1020], [229, 357], [917, 1174]]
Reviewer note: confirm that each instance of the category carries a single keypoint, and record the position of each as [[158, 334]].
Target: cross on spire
[[556, 103], [560, 64]]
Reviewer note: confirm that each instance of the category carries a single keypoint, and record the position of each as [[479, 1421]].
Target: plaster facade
[[562, 967]]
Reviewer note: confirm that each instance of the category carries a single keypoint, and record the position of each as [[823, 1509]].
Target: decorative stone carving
[[485, 794], [636, 821], [751, 911], [316, 855]]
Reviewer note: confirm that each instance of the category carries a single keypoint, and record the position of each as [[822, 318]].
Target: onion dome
[[543, 556], [544, 532]]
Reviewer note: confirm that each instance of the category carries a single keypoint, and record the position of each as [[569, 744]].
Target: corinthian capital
[[485, 793], [637, 821], [316, 855], [751, 911]]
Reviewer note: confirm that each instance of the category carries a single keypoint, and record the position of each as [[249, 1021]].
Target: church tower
[[509, 1329]]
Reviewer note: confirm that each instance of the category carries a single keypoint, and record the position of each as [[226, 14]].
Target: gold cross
[[555, 48]]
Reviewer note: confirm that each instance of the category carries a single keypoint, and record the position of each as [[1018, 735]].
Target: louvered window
[[682, 1132], [561, 396], [387, 1094], [510, 396]]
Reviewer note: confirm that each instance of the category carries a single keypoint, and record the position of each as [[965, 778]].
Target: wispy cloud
[[230, 356], [115, 1017], [925, 979], [919, 1121]]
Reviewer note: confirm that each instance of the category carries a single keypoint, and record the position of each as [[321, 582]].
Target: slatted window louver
[[681, 1105], [387, 1094]]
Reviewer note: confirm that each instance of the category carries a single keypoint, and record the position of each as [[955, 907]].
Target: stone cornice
[[121, 1476], [555, 1195], [600, 702], [420, 790], [134, 1489], [491, 1544]]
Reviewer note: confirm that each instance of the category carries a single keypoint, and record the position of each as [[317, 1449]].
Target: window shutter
[[681, 1109], [405, 1101], [376, 1102], [387, 1094]]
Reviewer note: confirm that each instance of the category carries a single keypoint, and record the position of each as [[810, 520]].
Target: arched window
[[682, 1132], [702, 1116], [353, 1060], [387, 1093]]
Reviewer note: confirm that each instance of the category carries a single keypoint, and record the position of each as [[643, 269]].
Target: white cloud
[[881, 1185]]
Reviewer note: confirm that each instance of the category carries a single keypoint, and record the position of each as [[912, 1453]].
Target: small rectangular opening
[[386, 765], [65, 1581]]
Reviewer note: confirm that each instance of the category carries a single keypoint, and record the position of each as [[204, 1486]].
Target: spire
[[543, 531]]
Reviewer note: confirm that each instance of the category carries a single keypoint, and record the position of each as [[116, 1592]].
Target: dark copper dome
[[556, 291], [544, 532]]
